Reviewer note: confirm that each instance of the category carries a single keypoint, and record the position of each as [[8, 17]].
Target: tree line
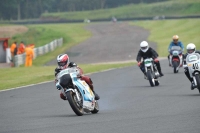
[[29, 9]]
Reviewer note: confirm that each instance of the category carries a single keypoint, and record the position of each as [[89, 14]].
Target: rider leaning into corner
[[191, 48], [63, 63], [175, 42], [147, 52]]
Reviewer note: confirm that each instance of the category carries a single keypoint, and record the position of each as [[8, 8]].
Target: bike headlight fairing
[[65, 80]]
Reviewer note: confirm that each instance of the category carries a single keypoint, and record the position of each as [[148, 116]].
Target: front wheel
[[198, 81], [150, 78], [76, 105], [175, 65]]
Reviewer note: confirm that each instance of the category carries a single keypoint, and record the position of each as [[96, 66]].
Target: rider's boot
[[168, 60], [62, 96], [191, 80], [143, 71], [192, 85], [159, 69], [97, 97], [161, 74], [145, 75]]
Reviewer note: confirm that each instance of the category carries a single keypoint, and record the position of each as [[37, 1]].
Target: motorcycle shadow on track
[[63, 115], [57, 116], [143, 86], [170, 73], [190, 95]]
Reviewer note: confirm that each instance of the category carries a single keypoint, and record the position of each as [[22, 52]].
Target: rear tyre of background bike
[[96, 108], [150, 78], [198, 81], [175, 65], [73, 104]]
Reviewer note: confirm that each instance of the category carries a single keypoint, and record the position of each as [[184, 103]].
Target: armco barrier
[[20, 59]]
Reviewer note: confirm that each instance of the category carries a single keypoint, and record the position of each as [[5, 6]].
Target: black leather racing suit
[[150, 53]]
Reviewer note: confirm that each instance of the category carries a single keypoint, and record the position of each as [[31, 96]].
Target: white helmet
[[191, 48], [144, 46]]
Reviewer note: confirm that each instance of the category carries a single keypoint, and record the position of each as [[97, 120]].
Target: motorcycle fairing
[[87, 93]]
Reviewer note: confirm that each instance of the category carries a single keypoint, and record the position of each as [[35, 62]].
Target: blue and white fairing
[[87, 93]]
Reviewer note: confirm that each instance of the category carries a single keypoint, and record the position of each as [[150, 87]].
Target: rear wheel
[[175, 65], [150, 78], [77, 106], [198, 81], [96, 108]]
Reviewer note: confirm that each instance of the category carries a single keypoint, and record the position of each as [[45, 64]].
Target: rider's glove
[[156, 60], [139, 63], [58, 87]]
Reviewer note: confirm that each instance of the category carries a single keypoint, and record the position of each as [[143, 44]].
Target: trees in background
[[28, 9]]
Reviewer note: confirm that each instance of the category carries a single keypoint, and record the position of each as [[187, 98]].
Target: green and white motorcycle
[[151, 71]]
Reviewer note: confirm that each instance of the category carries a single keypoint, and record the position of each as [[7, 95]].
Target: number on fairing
[[195, 66]]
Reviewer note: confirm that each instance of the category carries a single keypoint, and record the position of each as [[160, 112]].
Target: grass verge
[[16, 77], [161, 32]]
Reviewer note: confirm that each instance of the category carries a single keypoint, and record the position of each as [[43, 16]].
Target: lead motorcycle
[[78, 93], [176, 58], [151, 72], [193, 65]]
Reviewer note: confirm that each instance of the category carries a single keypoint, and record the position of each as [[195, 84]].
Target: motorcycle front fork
[[77, 95], [74, 91]]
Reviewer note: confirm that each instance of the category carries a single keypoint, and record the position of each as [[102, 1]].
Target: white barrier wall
[[20, 59], [8, 55]]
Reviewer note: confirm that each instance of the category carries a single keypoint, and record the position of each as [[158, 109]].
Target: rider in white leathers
[[191, 48]]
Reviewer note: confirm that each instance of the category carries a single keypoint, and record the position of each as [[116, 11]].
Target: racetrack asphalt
[[128, 105], [111, 42]]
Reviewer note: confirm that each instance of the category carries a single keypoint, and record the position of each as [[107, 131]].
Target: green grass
[[38, 35], [167, 8], [15, 77], [161, 32]]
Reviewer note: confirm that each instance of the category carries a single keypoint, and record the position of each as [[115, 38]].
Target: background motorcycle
[[176, 58], [193, 65], [78, 93], [151, 72]]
